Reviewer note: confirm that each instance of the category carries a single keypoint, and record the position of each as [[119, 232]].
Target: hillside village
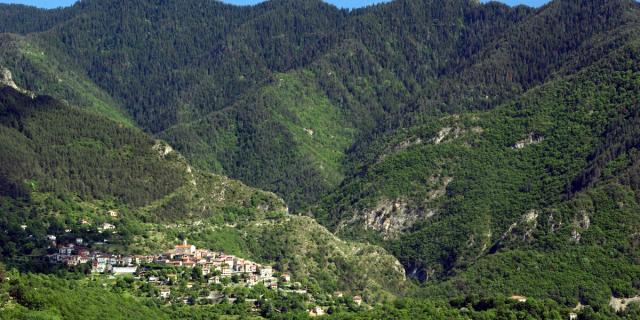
[[185, 272], [215, 267]]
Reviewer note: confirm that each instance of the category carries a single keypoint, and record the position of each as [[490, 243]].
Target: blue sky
[[339, 3]]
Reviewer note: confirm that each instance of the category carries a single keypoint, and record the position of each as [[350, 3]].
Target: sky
[[339, 3]]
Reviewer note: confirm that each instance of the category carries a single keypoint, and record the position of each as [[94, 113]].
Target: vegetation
[[482, 145], [73, 178]]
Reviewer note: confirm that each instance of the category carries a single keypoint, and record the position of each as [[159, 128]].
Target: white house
[[185, 248], [266, 272], [108, 226], [165, 293], [124, 270]]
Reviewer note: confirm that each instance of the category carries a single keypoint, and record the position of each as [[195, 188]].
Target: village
[[215, 267], [213, 270]]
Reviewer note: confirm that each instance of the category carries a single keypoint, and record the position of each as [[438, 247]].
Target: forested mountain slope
[[60, 165], [533, 184], [482, 145], [202, 82]]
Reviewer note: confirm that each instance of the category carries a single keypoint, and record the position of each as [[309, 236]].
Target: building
[[185, 249], [357, 300], [252, 280], [102, 263], [124, 270], [108, 226], [316, 312], [165, 293], [266, 272], [66, 250]]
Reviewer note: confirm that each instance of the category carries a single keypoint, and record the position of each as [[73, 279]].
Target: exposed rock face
[[409, 142], [448, 133], [391, 217], [533, 138], [162, 148], [580, 223], [6, 79], [441, 190], [621, 304], [523, 229]]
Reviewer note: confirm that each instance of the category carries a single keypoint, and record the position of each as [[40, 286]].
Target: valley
[[432, 158]]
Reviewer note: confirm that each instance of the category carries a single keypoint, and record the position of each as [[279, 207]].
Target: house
[[66, 250], [214, 280], [72, 261], [83, 255], [113, 213], [175, 263], [51, 238], [286, 277], [125, 261], [188, 264], [316, 312], [83, 222], [573, 316], [142, 259], [518, 298], [79, 241], [215, 296], [266, 272], [124, 270], [252, 280], [102, 263], [108, 226], [99, 266], [185, 249], [357, 300], [165, 293], [206, 269]]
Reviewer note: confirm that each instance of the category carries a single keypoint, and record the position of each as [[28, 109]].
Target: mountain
[[61, 165], [481, 145], [510, 193], [170, 80]]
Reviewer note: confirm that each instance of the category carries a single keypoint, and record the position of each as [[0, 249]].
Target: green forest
[[437, 158]]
